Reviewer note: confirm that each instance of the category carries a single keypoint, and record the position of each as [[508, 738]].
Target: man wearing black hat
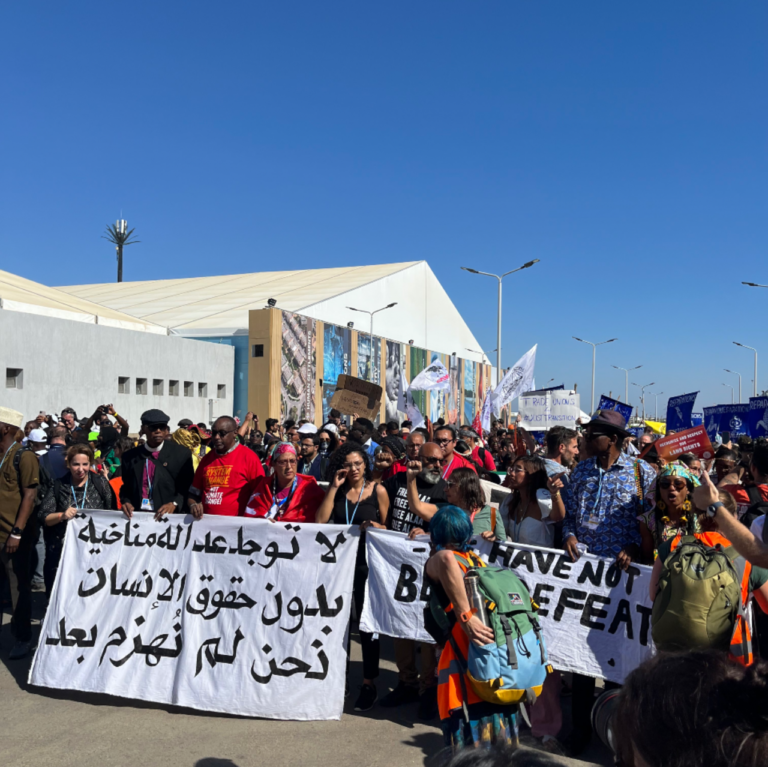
[[157, 475], [602, 502]]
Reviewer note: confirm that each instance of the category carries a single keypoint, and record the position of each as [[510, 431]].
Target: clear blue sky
[[623, 144]]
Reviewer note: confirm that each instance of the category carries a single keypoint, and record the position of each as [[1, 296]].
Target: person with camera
[[158, 474], [100, 417]]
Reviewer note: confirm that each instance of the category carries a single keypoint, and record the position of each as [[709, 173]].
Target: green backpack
[[698, 597]]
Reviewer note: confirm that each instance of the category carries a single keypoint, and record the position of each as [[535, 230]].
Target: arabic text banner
[[596, 618], [223, 614]]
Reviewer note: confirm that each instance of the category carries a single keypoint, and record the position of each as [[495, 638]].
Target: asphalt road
[[59, 728]]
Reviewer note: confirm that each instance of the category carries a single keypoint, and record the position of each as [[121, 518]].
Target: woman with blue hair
[[484, 724]]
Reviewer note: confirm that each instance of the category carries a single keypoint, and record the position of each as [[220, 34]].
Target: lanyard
[[278, 506], [448, 467], [346, 505], [6, 454], [149, 482], [85, 490]]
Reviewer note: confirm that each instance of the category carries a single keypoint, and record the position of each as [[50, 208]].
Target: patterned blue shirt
[[613, 496]]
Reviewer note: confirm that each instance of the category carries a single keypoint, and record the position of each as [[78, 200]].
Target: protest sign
[[607, 403], [353, 395], [679, 411], [731, 418], [758, 417], [396, 592], [697, 419], [518, 379], [596, 618], [541, 410], [223, 614], [693, 440]]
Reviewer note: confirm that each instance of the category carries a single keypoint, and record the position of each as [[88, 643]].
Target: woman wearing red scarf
[[285, 496]]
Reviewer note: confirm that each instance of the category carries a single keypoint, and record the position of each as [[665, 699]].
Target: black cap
[[185, 423], [154, 416]]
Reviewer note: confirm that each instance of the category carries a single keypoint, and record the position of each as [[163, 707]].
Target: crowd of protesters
[[590, 489]]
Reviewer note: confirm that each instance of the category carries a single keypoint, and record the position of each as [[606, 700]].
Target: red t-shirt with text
[[226, 482]]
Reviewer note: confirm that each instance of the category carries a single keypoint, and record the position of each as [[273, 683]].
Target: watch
[[17, 531], [712, 510]]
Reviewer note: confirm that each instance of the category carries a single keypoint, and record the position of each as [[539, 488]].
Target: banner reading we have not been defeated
[[222, 614], [596, 618]]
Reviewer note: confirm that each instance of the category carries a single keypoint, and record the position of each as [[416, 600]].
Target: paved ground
[[59, 728]]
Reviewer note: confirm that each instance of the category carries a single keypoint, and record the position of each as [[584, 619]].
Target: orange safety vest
[[450, 696], [740, 648]]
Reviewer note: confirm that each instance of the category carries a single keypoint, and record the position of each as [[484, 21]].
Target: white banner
[[434, 377], [596, 618], [485, 416], [518, 379], [224, 614], [396, 593], [542, 410]]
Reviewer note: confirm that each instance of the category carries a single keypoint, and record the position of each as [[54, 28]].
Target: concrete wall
[[73, 364]]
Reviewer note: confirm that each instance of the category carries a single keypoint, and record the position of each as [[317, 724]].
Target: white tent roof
[[21, 295], [224, 302]]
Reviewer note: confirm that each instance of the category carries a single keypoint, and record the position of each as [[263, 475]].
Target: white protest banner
[[223, 614], [485, 417], [434, 377], [596, 617], [396, 593], [518, 379], [542, 410]]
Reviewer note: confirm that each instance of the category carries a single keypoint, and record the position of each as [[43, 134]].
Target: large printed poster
[[438, 400], [454, 399], [337, 360], [418, 363], [298, 366], [395, 362], [469, 391], [369, 358]]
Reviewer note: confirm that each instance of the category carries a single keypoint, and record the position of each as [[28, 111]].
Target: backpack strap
[[755, 496], [462, 663], [507, 629], [741, 639]]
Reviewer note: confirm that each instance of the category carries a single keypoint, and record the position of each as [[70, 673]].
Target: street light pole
[[594, 348], [498, 323], [656, 406], [736, 374], [731, 388], [626, 380], [370, 334], [744, 346], [642, 393]]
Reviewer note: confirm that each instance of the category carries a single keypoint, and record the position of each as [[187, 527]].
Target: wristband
[[15, 537], [467, 616]]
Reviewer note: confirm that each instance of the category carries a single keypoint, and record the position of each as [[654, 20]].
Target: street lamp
[[656, 406], [744, 346], [626, 379], [736, 374], [370, 334], [475, 351], [498, 331], [731, 388], [594, 346], [642, 392]]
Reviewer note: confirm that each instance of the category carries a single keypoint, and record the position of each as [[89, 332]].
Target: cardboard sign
[[695, 440], [353, 395]]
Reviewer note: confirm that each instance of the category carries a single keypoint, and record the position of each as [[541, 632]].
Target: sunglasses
[[680, 484], [221, 433], [595, 434], [430, 461]]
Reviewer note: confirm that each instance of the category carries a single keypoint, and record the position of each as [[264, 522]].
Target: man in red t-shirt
[[445, 437], [226, 476], [758, 468], [480, 454]]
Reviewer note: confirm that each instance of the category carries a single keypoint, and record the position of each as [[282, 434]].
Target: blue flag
[[697, 419], [730, 418], [679, 412], [606, 403], [758, 417]]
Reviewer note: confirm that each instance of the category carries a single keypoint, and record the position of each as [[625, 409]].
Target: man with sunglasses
[[446, 438], [227, 475], [156, 475], [602, 502]]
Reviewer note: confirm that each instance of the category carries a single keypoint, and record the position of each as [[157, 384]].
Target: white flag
[[517, 381], [485, 415], [405, 403], [434, 377]]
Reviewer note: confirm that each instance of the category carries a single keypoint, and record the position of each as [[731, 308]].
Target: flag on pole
[[434, 377], [517, 381]]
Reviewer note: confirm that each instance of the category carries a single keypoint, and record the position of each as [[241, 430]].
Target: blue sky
[[622, 144]]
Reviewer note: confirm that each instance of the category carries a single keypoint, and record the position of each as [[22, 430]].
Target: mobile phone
[[725, 436]]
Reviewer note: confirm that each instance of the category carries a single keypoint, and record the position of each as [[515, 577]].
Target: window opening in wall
[[189, 389], [202, 390], [221, 391], [14, 378], [157, 387], [173, 388], [141, 386], [123, 385], [257, 350]]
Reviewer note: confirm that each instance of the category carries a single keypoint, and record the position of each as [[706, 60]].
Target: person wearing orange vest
[[755, 579], [466, 720]]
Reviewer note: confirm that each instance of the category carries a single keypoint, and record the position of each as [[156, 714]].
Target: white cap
[[308, 428], [11, 417], [37, 435], [330, 427]]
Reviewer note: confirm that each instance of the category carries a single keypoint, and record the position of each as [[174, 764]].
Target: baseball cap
[[308, 428], [37, 435]]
